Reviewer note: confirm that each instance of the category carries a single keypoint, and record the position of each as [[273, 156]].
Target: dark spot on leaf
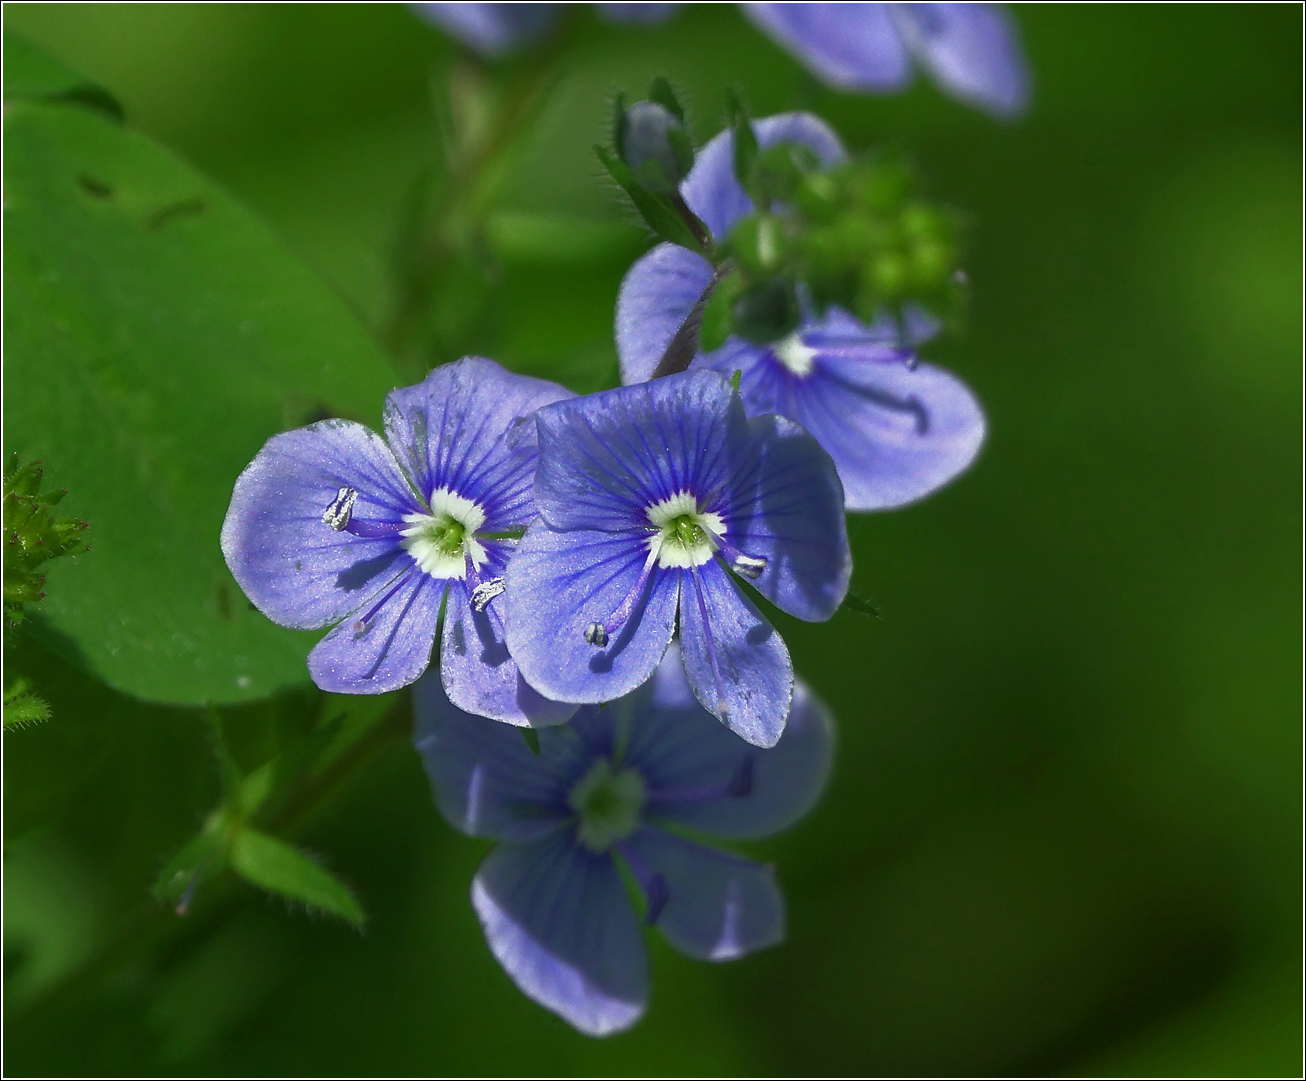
[[165, 214], [93, 186], [225, 608]]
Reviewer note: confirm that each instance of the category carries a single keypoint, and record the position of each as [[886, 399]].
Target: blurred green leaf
[[273, 865], [30, 74], [156, 336]]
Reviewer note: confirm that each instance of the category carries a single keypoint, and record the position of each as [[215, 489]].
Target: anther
[[337, 515], [595, 635], [486, 592], [750, 567]]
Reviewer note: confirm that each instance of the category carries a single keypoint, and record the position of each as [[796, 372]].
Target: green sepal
[[619, 123], [202, 857], [23, 707], [717, 325], [532, 739], [275, 866], [661, 91], [861, 605], [745, 144], [658, 211]]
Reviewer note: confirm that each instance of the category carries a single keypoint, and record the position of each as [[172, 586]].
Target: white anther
[[486, 592], [337, 515], [595, 635], [750, 567]]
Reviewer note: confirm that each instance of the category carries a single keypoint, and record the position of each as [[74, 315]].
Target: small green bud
[[656, 146]]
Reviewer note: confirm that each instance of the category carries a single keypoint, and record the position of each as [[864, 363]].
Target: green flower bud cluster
[[33, 535], [856, 235]]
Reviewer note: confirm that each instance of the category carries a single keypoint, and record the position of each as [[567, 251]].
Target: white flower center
[[609, 804], [794, 355], [441, 541], [684, 536]]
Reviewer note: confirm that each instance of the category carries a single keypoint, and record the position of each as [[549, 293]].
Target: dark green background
[[1064, 832]]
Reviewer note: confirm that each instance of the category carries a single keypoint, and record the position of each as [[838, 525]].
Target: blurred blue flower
[[332, 524], [971, 50], [649, 496], [497, 30], [602, 791], [897, 430]]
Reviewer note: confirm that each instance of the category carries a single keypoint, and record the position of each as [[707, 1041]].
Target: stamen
[[746, 566], [739, 785], [486, 592], [359, 626], [597, 634], [653, 884], [371, 528], [337, 515]]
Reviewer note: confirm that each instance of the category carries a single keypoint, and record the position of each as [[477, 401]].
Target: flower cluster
[[588, 565]]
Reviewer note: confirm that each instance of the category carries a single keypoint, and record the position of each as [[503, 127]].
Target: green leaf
[[156, 335], [31, 75], [745, 141], [275, 866]]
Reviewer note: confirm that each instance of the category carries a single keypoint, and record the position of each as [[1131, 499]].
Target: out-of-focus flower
[[332, 524], [897, 430], [971, 50], [603, 791], [649, 497]]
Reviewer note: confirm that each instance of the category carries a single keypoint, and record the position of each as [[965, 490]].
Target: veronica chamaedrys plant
[[611, 788], [651, 498], [333, 524], [971, 50], [896, 429]]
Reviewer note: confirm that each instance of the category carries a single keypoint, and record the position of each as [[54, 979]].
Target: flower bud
[[656, 146]]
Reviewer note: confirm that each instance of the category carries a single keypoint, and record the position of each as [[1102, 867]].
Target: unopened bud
[[656, 146]]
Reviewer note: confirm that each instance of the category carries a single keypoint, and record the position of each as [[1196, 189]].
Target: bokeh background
[[1064, 835]]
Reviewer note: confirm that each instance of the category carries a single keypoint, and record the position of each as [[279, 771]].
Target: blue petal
[[392, 649], [896, 433], [737, 664], [846, 46], [711, 189], [491, 29], [700, 775], [714, 905], [558, 920], [558, 584], [486, 781], [972, 51], [478, 673], [297, 570], [467, 426], [656, 295], [606, 458], [786, 506], [640, 14]]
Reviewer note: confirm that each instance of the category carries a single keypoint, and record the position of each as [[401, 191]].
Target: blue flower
[[603, 790], [971, 50], [649, 496], [897, 430], [497, 30], [332, 524]]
